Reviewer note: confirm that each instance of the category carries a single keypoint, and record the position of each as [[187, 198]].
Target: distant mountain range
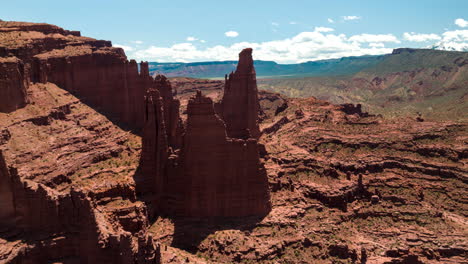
[[432, 82], [271, 69], [267, 69]]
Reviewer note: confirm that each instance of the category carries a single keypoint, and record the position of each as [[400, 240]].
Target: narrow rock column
[[240, 105]]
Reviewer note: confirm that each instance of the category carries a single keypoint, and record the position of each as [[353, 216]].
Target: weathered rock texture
[[67, 193], [13, 84], [7, 214], [92, 69], [209, 173], [239, 107], [66, 187], [223, 176]]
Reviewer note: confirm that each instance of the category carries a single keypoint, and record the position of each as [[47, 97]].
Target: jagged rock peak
[[240, 106], [245, 64]]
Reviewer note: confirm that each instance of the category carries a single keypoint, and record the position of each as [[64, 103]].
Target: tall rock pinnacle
[[240, 106], [214, 169]]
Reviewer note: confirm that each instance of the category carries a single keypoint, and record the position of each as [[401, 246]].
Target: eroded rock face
[[155, 145], [92, 69], [7, 214], [239, 107], [13, 84], [223, 176], [65, 192]]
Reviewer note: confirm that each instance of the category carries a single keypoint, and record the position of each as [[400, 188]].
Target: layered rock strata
[[98, 73], [223, 176], [13, 84], [66, 188]]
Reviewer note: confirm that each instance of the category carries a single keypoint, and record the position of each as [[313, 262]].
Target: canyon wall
[[75, 224], [92, 69], [7, 214], [86, 234], [13, 84]]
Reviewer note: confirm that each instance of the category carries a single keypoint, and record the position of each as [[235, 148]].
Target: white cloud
[[202, 40], [376, 45], [415, 37], [124, 47], [305, 46], [293, 23], [231, 34], [191, 38], [456, 35], [453, 40], [363, 38], [330, 20], [351, 17], [275, 24], [461, 22], [323, 29], [138, 42]]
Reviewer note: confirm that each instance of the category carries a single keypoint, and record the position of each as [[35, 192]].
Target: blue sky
[[283, 31]]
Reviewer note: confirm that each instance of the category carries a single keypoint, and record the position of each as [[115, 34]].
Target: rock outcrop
[[13, 84], [7, 214], [223, 176], [239, 107], [207, 172], [92, 69], [66, 188]]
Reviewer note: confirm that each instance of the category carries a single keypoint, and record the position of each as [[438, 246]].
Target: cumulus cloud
[[293, 23], [453, 40], [461, 22], [191, 38], [330, 20], [367, 38], [138, 42], [415, 37], [231, 34], [323, 29], [275, 24], [124, 47], [376, 45], [456, 35], [351, 17], [305, 46]]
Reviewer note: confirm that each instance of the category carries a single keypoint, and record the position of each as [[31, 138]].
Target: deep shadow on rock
[[190, 232]]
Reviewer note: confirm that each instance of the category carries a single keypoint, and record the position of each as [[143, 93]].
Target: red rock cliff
[[92, 69], [13, 84]]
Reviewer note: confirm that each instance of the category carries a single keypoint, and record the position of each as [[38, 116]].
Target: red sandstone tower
[[240, 106], [215, 169]]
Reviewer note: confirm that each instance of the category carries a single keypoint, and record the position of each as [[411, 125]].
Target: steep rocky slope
[[66, 171], [71, 195]]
